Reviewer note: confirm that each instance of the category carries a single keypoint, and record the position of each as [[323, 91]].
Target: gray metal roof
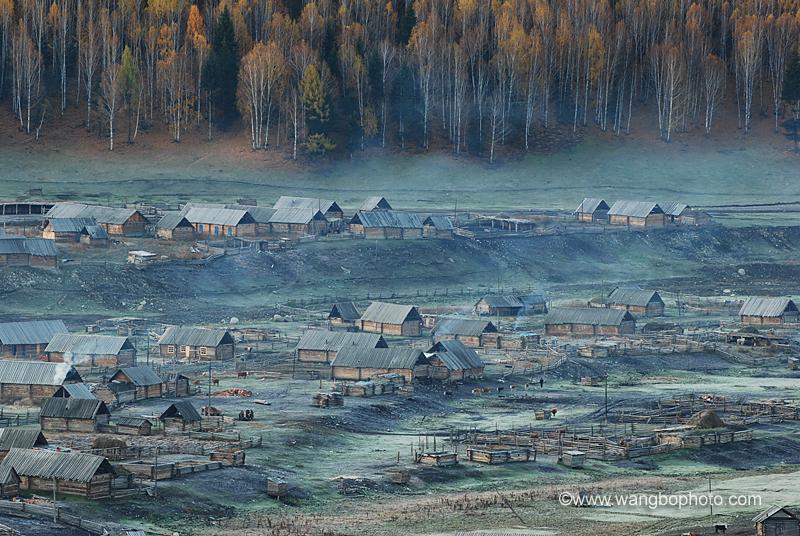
[[37, 373], [108, 215], [456, 356], [502, 301], [390, 313], [388, 218], [98, 232], [596, 316], [634, 209], [590, 205], [140, 376], [379, 358], [439, 222], [19, 245], [259, 214], [633, 296], [218, 216], [468, 327], [671, 208], [191, 336], [771, 511], [69, 225], [296, 215], [173, 220], [76, 390], [333, 341], [767, 306], [73, 408], [22, 438], [88, 344], [323, 205], [136, 422], [375, 202], [183, 410], [51, 464], [345, 310], [32, 332]]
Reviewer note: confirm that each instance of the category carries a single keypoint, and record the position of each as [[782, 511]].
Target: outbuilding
[[508, 305], [764, 310], [74, 390], [23, 251], [391, 319], [139, 382], [636, 214], [592, 210], [374, 202], [94, 235], [343, 315], [32, 381], [673, 211], [175, 226], [70, 473], [358, 363], [212, 223], [322, 346], [116, 221], [589, 321], [91, 350], [181, 417], [196, 343], [73, 415], [297, 222], [639, 302], [777, 521], [438, 226], [20, 438], [28, 340], [133, 426], [451, 360], [330, 209], [65, 229], [384, 224], [469, 331]]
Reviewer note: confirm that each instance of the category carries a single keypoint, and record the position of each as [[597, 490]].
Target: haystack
[[706, 419]]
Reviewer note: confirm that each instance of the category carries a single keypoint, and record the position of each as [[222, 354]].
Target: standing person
[[541, 383]]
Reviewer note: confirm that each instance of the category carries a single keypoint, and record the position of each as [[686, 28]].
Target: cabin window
[[203, 350], [170, 349], [183, 349]]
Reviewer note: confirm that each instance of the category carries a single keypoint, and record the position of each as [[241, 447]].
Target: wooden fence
[[21, 509]]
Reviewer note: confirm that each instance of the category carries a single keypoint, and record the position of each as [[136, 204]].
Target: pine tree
[[791, 95], [222, 67], [312, 96]]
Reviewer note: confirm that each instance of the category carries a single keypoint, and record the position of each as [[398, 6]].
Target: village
[[356, 397]]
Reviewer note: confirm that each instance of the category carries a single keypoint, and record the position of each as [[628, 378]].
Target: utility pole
[[605, 418]]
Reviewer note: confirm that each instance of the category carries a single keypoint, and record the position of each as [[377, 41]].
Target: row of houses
[[638, 213]]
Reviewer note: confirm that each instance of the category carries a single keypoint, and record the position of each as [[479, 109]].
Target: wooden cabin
[[358, 363], [28, 340], [90, 350], [196, 343], [391, 319], [321, 346], [673, 211], [9, 483], [769, 311], [22, 251], [181, 417], [71, 473], [138, 426], [214, 223], [438, 226], [20, 438], [74, 390], [343, 315], [642, 214], [65, 229], [374, 202], [142, 382], [73, 415], [330, 209], [469, 331], [529, 304], [175, 226], [777, 521], [260, 215], [94, 235], [385, 224], [30, 382], [592, 210], [177, 385], [589, 321], [116, 221], [694, 217], [637, 301], [451, 360], [297, 222]]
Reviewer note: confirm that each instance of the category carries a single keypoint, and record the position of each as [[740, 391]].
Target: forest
[[471, 76]]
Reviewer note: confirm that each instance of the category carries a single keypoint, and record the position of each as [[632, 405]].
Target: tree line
[[313, 75]]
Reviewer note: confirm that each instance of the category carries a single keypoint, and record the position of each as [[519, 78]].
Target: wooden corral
[[493, 455], [437, 459], [28, 340], [228, 458]]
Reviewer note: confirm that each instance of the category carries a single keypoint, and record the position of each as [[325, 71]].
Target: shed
[[321, 346], [469, 331], [22, 251], [71, 473], [91, 350], [142, 381], [73, 414], [9, 483], [181, 417], [196, 343], [33, 381], [589, 321], [133, 426], [116, 221], [437, 226], [391, 319], [386, 224], [509, 305], [330, 209], [763, 310], [65, 229], [28, 340], [777, 521], [20, 438], [636, 214], [218, 222], [343, 314], [175, 226], [297, 222], [74, 390], [573, 458], [451, 360], [374, 202], [592, 210], [362, 363], [94, 235], [639, 302], [673, 211], [139, 257]]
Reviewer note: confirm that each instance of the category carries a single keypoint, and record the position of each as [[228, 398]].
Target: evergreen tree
[[222, 67], [312, 96], [406, 23], [791, 95]]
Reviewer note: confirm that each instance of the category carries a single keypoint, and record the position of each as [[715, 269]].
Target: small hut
[[467, 330], [592, 210], [438, 226], [181, 417], [175, 226], [343, 314], [777, 521], [20, 438], [134, 426], [9, 482], [94, 235], [143, 381], [73, 415]]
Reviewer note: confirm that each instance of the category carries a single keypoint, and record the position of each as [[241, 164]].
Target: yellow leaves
[[53, 15], [195, 25]]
